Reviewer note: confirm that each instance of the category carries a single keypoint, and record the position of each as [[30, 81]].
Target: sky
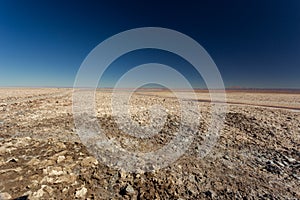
[[255, 44]]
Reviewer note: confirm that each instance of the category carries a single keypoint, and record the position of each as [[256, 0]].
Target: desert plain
[[256, 155]]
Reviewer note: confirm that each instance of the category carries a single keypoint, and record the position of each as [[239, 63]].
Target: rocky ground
[[257, 155]]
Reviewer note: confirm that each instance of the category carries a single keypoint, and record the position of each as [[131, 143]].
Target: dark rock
[[211, 194]]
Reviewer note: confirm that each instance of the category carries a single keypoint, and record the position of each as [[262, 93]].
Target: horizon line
[[158, 88]]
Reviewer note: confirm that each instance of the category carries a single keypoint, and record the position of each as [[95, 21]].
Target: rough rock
[[81, 193], [256, 156], [5, 196]]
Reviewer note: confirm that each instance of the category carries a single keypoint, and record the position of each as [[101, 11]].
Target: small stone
[[129, 189], [56, 172], [38, 194], [285, 163], [122, 174], [296, 177], [271, 167], [279, 164], [210, 194], [28, 193], [226, 157], [14, 160], [48, 189], [191, 188], [60, 159], [139, 171], [89, 161], [5, 195], [290, 160], [47, 179], [61, 145], [81, 193], [68, 178], [192, 178], [65, 190]]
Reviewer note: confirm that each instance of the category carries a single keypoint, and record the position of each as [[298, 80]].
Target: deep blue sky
[[253, 43]]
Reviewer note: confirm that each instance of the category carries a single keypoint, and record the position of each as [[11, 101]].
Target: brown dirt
[[41, 157]]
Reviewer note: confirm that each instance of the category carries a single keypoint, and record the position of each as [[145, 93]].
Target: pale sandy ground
[[289, 100], [8, 94], [256, 156]]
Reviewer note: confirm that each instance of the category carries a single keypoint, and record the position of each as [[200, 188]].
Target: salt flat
[[256, 155]]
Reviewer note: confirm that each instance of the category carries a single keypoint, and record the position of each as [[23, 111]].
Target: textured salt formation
[[41, 157]]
